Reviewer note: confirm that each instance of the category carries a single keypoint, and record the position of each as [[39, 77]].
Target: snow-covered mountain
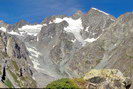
[[69, 46]]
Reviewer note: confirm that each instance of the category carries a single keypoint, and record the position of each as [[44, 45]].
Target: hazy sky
[[11, 11]]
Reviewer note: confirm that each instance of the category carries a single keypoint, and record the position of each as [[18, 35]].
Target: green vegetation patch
[[98, 61], [81, 82], [8, 83], [14, 76], [0, 70], [129, 56], [63, 83], [3, 55], [15, 65]]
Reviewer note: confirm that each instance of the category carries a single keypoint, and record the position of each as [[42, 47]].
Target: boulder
[[106, 79]]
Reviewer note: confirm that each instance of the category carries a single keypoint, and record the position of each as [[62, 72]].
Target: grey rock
[[58, 54], [16, 48]]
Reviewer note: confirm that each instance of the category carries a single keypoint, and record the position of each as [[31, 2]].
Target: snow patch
[[3, 29], [44, 24], [13, 33], [74, 40], [113, 19], [31, 29], [34, 54], [51, 36], [100, 11], [35, 63], [94, 33], [90, 40], [59, 20], [87, 29], [75, 27]]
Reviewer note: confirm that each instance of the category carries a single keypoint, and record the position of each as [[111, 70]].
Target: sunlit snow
[[90, 40], [87, 29], [34, 53], [13, 33], [73, 40], [31, 29], [75, 27], [100, 11], [3, 29]]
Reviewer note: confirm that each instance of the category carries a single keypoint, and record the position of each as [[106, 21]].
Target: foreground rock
[[107, 79], [95, 79]]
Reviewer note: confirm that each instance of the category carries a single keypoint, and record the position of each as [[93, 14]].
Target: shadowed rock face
[[13, 46], [63, 49], [15, 66], [16, 48]]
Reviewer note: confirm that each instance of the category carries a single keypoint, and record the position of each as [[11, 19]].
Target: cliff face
[[15, 66], [69, 46]]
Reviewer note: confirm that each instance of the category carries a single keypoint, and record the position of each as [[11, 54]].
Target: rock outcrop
[[15, 66], [16, 48], [95, 79], [107, 79]]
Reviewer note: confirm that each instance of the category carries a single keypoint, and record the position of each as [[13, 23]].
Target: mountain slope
[[69, 46]]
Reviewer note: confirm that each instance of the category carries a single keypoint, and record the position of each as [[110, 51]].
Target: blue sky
[[11, 11]]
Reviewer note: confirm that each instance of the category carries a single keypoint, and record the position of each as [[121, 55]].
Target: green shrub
[[98, 61], [81, 82], [8, 83], [62, 83]]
